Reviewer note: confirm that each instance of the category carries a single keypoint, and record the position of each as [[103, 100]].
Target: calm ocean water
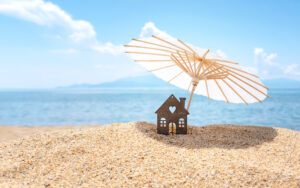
[[105, 106]]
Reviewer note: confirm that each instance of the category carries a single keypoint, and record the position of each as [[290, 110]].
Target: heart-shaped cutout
[[172, 109]]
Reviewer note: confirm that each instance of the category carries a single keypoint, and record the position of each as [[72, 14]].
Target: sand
[[133, 155], [13, 132]]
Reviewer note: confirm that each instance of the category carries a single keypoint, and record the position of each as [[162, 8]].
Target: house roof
[[174, 101]]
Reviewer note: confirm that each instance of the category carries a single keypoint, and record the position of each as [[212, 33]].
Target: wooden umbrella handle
[[191, 96]]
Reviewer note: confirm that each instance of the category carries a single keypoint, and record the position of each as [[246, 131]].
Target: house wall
[[181, 130], [171, 118], [162, 130]]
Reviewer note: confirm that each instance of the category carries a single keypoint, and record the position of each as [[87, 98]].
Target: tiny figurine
[[172, 117]]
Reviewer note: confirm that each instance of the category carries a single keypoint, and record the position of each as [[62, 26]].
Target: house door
[[172, 128]]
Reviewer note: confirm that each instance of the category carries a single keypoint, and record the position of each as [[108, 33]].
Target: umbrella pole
[[191, 96]]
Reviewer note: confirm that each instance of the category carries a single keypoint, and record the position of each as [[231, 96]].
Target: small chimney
[[182, 102]]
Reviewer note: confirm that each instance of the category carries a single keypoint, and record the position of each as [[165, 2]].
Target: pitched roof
[[172, 99]]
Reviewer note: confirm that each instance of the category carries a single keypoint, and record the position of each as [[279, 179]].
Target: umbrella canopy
[[196, 70]]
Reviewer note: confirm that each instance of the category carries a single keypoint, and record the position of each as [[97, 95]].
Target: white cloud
[[221, 54], [292, 69], [270, 59], [261, 55], [258, 51], [268, 68], [108, 48], [49, 14], [150, 29]]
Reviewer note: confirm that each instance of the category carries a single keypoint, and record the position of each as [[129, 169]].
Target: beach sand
[[132, 154]]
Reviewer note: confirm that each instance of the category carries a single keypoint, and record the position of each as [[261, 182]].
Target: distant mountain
[[147, 81], [151, 81]]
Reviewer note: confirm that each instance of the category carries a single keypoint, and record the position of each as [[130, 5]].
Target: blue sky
[[44, 44]]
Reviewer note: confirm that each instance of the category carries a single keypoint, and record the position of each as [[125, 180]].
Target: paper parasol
[[196, 70]]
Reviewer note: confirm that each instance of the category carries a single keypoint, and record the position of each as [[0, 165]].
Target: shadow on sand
[[213, 136]]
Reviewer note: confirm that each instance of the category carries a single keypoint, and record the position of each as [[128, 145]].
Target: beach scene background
[[68, 67], [77, 110], [126, 100]]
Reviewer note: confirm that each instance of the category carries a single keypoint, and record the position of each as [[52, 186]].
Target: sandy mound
[[133, 154]]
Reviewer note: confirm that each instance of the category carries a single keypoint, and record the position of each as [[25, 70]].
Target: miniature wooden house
[[172, 117]]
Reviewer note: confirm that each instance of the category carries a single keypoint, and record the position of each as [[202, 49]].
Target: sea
[[92, 106]]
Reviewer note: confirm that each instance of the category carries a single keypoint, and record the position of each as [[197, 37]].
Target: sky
[[46, 44]]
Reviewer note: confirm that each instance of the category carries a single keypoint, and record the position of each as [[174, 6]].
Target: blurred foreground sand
[[13, 132], [132, 154]]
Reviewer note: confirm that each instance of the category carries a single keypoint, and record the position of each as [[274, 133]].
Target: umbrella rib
[[206, 88], [195, 67], [186, 46], [134, 46], [248, 79], [189, 61], [167, 42], [218, 72], [175, 77], [235, 91], [146, 53], [231, 87], [244, 89], [249, 85], [229, 67], [223, 60], [221, 91], [184, 62], [205, 54], [212, 70], [202, 61], [179, 64], [217, 76], [154, 44], [204, 70], [168, 66], [208, 68], [201, 65]]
